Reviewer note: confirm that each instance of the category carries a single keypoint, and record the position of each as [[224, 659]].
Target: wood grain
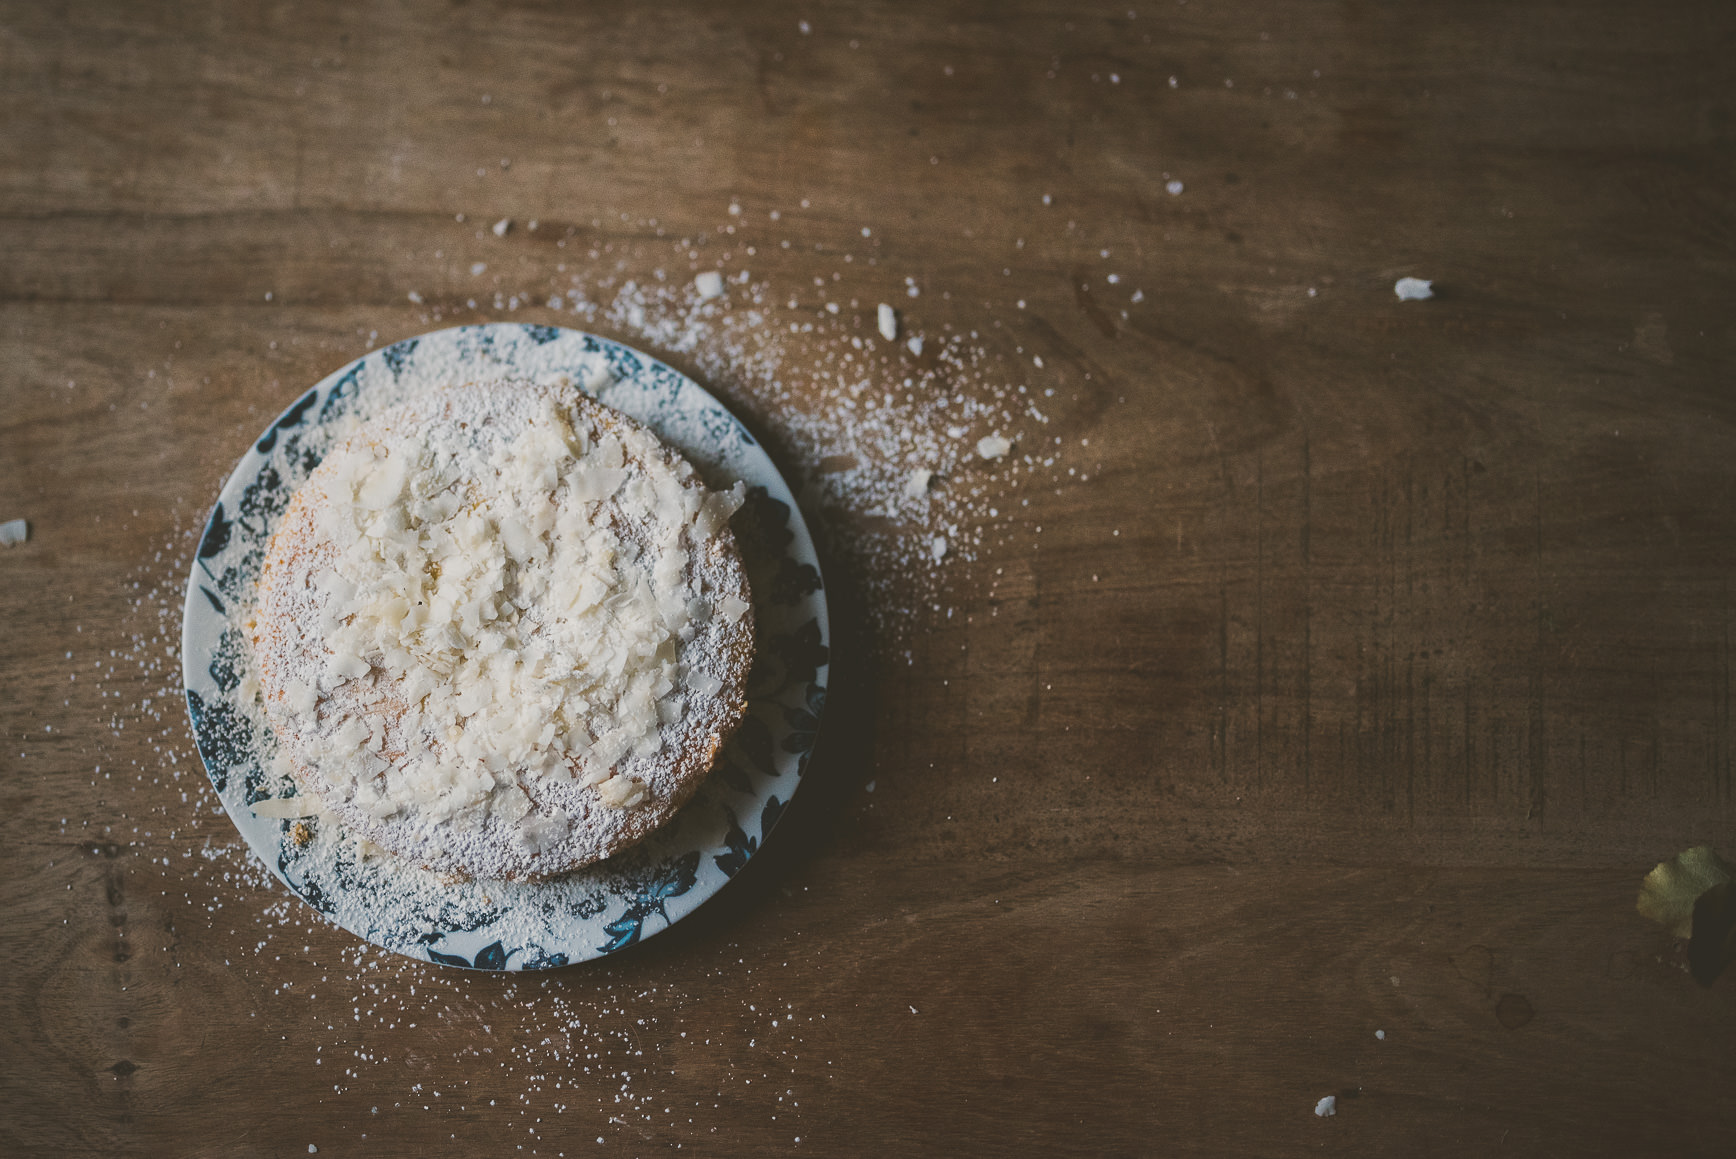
[[1381, 650]]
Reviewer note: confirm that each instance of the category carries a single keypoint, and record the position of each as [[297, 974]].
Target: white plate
[[615, 903]]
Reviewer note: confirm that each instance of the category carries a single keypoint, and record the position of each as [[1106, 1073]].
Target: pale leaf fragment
[[1693, 897], [1668, 894]]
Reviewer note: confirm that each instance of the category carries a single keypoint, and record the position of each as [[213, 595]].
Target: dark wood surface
[[1379, 652]]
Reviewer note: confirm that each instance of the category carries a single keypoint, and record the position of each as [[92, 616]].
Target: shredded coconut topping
[[517, 625]]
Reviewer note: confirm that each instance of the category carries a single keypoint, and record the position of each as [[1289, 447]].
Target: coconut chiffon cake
[[503, 631]]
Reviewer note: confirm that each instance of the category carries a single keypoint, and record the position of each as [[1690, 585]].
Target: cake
[[503, 631]]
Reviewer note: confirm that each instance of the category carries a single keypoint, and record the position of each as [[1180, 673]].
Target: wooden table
[[1368, 654]]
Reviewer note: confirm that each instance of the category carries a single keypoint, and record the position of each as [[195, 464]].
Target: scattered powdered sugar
[[855, 420], [527, 1056], [848, 411], [530, 1056]]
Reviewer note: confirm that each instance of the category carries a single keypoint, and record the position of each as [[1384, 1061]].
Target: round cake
[[503, 631]]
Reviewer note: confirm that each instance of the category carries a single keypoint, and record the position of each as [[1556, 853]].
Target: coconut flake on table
[[888, 320], [500, 227], [917, 485], [708, 284], [993, 447], [13, 532], [1413, 289], [914, 345], [1326, 1106]]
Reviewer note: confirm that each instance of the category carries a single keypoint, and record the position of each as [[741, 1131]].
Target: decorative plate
[[509, 925]]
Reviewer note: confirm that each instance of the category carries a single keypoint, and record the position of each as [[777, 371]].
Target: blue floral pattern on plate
[[606, 907]]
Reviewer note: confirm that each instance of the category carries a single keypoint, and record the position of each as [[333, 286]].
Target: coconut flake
[[621, 792], [286, 807], [1413, 289], [888, 319], [993, 447]]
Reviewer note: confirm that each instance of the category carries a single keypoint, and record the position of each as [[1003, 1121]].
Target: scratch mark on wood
[[1259, 616], [1307, 617], [1470, 746], [1410, 700], [1223, 729], [1082, 295], [1495, 761], [1428, 725], [1724, 705], [1657, 732], [1537, 735], [1410, 740], [1465, 466]]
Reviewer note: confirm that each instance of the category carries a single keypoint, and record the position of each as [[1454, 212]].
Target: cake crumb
[[917, 485], [914, 345], [500, 227], [938, 548], [709, 284], [1380, 1034], [1327, 1106], [13, 532], [993, 447]]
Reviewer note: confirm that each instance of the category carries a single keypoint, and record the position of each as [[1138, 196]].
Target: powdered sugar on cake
[[503, 630]]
